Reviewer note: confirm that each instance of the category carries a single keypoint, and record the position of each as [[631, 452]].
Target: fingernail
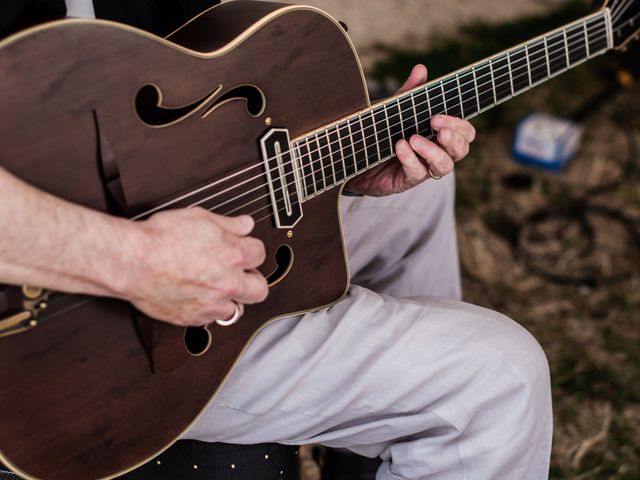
[[416, 141], [402, 145], [437, 121], [247, 221]]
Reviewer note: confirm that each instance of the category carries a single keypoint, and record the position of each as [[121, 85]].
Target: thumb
[[241, 225], [417, 77]]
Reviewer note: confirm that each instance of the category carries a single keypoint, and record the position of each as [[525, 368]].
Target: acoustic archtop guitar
[[250, 108]]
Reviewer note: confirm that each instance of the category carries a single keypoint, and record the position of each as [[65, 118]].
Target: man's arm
[[186, 267], [183, 266]]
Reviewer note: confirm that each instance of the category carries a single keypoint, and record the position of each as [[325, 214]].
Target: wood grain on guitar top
[[80, 399]]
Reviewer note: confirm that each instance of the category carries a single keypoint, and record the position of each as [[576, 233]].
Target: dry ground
[[406, 23]]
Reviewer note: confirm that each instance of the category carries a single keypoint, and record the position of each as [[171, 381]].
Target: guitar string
[[472, 100], [399, 114], [407, 96], [621, 10], [331, 165], [380, 161], [590, 40], [62, 296]]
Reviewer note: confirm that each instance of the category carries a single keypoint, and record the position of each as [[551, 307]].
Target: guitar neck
[[331, 155]]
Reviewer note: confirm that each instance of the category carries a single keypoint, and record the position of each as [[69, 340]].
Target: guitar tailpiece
[[34, 301]]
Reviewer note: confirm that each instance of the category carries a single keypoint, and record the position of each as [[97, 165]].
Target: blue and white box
[[546, 141]]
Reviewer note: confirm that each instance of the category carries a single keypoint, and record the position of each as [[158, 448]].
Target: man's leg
[[405, 245], [402, 245], [438, 388]]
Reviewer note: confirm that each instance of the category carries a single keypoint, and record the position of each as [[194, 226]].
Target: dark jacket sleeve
[[18, 14], [156, 16]]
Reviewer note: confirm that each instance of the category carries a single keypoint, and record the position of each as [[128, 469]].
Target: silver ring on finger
[[233, 319], [432, 175]]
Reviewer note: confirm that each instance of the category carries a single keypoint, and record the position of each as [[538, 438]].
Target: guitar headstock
[[625, 21]]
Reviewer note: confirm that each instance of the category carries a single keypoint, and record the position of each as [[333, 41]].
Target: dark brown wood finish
[[79, 396]]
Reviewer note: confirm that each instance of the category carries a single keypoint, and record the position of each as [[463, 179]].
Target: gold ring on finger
[[432, 175]]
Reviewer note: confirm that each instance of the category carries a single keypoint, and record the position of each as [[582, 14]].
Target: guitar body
[[123, 122]]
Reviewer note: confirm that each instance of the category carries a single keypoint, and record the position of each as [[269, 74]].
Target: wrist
[[124, 259]]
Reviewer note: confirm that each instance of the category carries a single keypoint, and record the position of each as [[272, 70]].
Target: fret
[[437, 100], [408, 120], [364, 142], [424, 112], [325, 153], [460, 96], [431, 114], [388, 127], [566, 46], [493, 82], [526, 51], [377, 139], [586, 37], [346, 145], [452, 99], [468, 94], [383, 138], [609, 25], [339, 166], [475, 86], [557, 58], [546, 52], [520, 71], [316, 159], [303, 179], [502, 78], [415, 114], [578, 50], [444, 98], [308, 171], [296, 171], [370, 138], [359, 152], [510, 73], [484, 85], [395, 122], [538, 58], [312, 168], [598, 36], [400, 116]]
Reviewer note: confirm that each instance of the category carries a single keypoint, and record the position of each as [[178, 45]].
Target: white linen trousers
[[439, 389]]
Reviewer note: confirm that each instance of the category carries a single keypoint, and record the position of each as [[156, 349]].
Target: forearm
[[55, 244]]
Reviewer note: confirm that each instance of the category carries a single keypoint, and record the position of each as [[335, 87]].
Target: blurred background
[[558, 252]]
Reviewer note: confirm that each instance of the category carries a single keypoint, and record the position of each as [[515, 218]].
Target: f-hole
[[148, 104], [252, 95], [284, 262], [197, 340]]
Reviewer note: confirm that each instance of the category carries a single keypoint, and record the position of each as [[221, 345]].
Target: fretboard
[[331, 155]]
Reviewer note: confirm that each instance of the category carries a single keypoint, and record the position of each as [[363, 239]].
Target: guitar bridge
[[34, 301]]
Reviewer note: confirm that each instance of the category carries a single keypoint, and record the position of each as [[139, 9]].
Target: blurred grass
[[590, 330]]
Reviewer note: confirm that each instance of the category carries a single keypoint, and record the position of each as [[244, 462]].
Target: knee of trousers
[[509, 358], [523, 364]]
